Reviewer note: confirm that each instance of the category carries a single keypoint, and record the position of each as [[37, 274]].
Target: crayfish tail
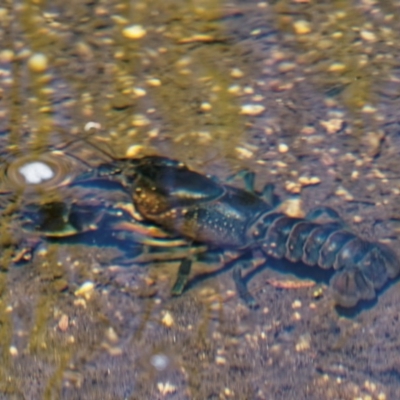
[[360, 280], [350, 286]]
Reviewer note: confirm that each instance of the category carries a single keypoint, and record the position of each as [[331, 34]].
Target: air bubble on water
[[159, 361], [36, 172]]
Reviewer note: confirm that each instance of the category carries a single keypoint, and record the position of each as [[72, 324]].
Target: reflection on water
[[39, 173], [305, 93]]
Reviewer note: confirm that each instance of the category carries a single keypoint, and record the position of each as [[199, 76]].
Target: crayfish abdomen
[[362, 266]]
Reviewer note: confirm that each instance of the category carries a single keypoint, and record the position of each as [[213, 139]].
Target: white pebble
[[85, 290], [92, 125], [283, 148], [252, 109], [36, 172], [159, 361], [13, 351]]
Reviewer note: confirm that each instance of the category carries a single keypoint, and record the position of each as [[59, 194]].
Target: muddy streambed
[[306, 94]]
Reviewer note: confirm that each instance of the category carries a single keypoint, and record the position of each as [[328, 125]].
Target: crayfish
[[155, 202], [201, 210]]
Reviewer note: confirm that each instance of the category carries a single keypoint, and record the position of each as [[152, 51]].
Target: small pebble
[[38, 62], [205, 106], [252, 109], [283, 148], [243, 152], [248, 90], [337, 67], [219, 360], [166, 388], [370, 386], [139, 120], [318, 293], [297, 316], [236, 73], [228, 392], [167, 319], [337, 35], [292, 187], [304, 342], [293, 207], [6, 56], [63, 323], [134, 150], [134, 32], [114, 351], [368, 109], [153, 82], [85, 290], [159, 361], [234, 89], [92, 125], [139, 92], [302, 27], [286, 66], [333, 125], [296, 304], [306, 181], [13, 351], [153, 133], [112, 335], [368, 36]]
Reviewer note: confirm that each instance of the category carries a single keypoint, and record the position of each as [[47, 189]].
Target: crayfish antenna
[[85, 139]]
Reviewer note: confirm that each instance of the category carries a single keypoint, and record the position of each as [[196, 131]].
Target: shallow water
[[304, 94]]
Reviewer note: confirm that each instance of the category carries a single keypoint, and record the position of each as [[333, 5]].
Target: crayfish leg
[[241, 286], [269, 196], [183, 276], [248, 178]]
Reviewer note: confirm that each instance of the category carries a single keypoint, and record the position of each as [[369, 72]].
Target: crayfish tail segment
[[368, 273], [350, 286], [389, 258], [380, 264], [315, 241], [318, 212], [352, 252]]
